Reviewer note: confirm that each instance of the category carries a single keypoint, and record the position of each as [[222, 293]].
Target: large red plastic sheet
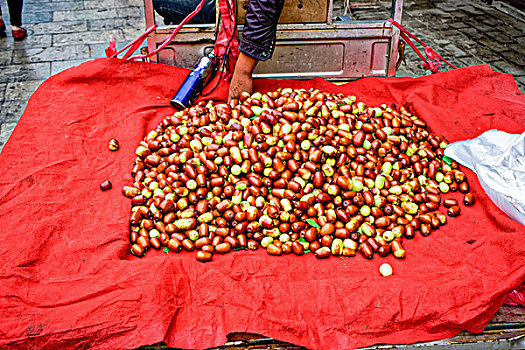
[[67, 278]]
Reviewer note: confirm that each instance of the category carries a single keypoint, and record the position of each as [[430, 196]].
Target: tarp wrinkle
[[69, 281]]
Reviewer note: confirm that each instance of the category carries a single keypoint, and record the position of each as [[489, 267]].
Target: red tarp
[[67, 278]]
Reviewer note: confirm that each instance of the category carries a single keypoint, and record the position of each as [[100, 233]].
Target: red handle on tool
[[433, 57]]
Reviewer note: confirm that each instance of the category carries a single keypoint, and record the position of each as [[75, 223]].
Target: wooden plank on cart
[[294, 11]]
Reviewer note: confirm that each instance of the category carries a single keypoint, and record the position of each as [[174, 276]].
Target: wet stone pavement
[[463, 32], [61, 34], [65, 33]]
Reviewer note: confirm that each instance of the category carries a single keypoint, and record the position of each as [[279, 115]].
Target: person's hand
[[242, 76], [240, 82]]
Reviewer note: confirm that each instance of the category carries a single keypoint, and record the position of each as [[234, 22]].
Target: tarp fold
[[67, 279]]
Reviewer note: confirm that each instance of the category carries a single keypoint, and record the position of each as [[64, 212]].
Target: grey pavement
[[463, 32], [61, 34], [65, 33]]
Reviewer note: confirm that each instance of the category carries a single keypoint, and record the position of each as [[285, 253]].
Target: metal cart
[[311, 42]]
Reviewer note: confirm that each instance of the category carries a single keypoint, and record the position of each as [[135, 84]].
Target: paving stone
[[511, 11], [11, 111], [483, 39], [2, 95], [501, 37], [58, 27], [35, 2], [371, 16], [98, 50], [409, 6], [472, 10], [84, 14], [100, 4], [491, 10], [469, 31], [413, 70], [53, 6], [59, 66], [518, 48], [456, 51], [512, 31], [520, 40], [491, 20], [520, 81], [480, 27], [21, 90], [448, 6], [496, 46], [131, 12], [32, 41], [470, 61], [5, 131], [462, 41], [109, 24], [33, 71], [485, 54], [473, 34], [37, 17], [442, 41], [514, 57], [88, 37], [403, 72], [459, 15], [131, 33], [507, 67], [6, 55], [6, 44], [458, 24], [54, 53], [413, 24], [431, 12], [436, 12], [439, 20], [510, 20]]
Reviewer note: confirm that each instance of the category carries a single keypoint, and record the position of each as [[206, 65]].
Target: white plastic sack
[[498, 158]]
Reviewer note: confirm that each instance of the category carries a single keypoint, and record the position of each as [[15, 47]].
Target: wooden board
[[294, 11]]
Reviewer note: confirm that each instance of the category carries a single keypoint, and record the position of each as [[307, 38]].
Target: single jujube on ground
[[291, 171], [106, 185]]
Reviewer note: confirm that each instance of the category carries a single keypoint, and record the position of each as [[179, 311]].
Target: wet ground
[[464, 32], [64, 33]]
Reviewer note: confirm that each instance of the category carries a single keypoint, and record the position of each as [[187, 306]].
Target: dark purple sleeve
[[260, 28]]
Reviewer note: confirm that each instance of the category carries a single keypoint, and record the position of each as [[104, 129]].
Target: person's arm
[[242, 76], [257, 42]]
